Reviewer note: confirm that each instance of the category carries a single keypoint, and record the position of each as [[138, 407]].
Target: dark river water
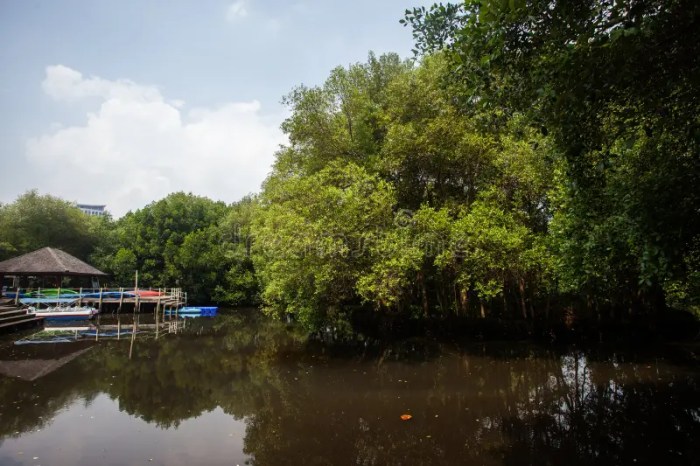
[[234, 390]]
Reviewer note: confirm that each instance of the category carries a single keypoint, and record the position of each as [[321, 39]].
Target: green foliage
[[308, 232], [34, 221], [188, 241], [396, 261], [615, 84], [388, 194]]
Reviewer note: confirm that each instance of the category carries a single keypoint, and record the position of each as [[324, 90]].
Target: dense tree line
[[35, 221], [614, 83], [188, 241], [388, 194], [537, 156], [182, 240]]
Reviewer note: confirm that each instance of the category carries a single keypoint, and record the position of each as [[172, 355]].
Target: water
[[231, 391]]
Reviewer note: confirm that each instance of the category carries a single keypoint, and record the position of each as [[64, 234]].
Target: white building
[[91, 209]]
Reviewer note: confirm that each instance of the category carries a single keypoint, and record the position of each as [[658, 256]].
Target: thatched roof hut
[[48, 261]]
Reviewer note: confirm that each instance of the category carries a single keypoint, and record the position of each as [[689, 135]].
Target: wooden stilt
[[133, 337], [121, 299], [99, 307], [80, 297]]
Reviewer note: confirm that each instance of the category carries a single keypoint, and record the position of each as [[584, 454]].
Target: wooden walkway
[[10, 316], [162, 298]]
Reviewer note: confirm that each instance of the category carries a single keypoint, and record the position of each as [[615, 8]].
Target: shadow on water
[[306, 403]]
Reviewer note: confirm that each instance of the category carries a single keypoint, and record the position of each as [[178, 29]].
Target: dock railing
[[170, 297]]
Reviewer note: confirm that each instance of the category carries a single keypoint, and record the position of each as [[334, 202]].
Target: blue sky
[[122, 102]]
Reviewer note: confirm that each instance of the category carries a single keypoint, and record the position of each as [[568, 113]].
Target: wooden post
[[97, 334], [17, 295], [119, 328], [133, 337], [80, 298], [121, 299], [99, 308]]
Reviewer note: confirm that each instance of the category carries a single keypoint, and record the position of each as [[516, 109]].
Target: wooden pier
[[172, 298], [11, 317], [163, 302]]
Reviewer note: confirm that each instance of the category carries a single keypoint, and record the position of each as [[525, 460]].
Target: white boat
[[63, 312]]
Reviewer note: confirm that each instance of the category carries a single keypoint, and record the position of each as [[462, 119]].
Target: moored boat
[[201, 311], [63, 312]]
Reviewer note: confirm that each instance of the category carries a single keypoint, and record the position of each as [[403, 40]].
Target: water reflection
[[298, 403]]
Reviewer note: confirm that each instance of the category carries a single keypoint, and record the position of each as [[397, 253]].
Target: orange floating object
[[406, 417]]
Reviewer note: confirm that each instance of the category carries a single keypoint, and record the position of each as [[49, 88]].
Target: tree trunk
[[463, 302], [424, 293], [455, 298], [523, 306]]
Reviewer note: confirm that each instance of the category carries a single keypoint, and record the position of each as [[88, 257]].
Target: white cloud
[[138, 147], [236, 10], [63, 83]]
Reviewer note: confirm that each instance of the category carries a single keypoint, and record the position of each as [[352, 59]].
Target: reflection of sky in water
[[100, 434]]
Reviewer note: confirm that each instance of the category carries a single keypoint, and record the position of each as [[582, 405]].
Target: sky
[[123, 102]]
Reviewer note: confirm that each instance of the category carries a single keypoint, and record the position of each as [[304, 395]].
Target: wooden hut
[[48, 262]]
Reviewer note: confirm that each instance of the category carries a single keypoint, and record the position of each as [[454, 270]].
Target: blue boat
[[200, 311]]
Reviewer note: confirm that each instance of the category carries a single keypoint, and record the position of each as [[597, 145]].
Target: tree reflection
[[482, 404]]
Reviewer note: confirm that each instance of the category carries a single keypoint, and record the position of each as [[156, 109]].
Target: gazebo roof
[[48, 261]]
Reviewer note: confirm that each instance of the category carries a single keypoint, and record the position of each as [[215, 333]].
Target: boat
[[195, 311], [54, 293], [32, 301], [63, 312], [147, 293]]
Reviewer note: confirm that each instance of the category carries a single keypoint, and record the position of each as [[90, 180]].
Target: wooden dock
[[105, 300], [11, 317]]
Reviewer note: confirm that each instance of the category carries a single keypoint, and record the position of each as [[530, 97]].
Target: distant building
[[94, 210]]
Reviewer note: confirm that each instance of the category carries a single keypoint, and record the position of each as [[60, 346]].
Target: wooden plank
[[12, 317], [10, 324]]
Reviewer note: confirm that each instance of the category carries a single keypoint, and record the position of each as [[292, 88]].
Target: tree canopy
[[614, 83], [34, 221]]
